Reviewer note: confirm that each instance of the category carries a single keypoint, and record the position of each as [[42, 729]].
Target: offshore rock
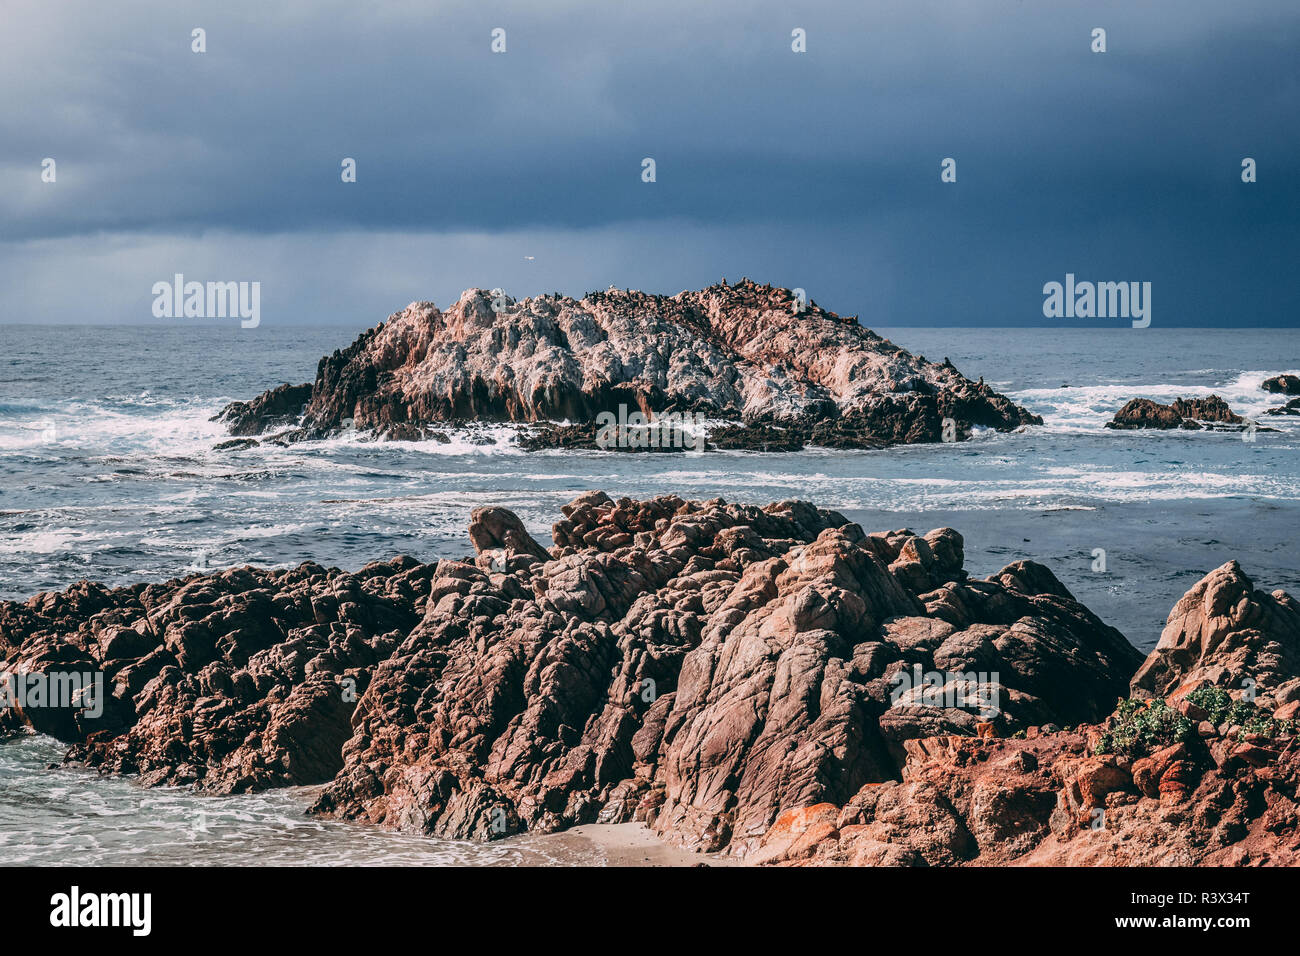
[[1188, 413], [1285, 384], [738, 353]]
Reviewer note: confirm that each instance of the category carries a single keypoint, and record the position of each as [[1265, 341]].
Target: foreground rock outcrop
[[1200, 767], [1222, 631], [740, 353], [700, 665], [772, 682], [234, 681], [1050, 801]]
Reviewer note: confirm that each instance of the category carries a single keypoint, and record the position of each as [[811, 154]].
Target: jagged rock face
[[279, 407], [1046, 801], [734, 676], [728, 351], [240, 680], [794, 702], [1223, 796], [1186, 413], [1224, 630], [699, 666]]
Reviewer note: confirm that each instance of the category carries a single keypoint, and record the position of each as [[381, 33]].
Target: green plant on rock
[[1215, 701], [1141, 727], [1252, 719]]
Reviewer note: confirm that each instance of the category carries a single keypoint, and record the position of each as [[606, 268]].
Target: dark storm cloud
[[822, 167]]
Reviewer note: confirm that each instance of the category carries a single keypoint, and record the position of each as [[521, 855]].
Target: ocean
[[108, 472]]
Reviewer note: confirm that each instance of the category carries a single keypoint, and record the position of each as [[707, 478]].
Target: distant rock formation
[[739, 353], [1188, 413], [1285, 384]]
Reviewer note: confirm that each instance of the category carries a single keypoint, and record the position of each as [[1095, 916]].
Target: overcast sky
[[818, 170]]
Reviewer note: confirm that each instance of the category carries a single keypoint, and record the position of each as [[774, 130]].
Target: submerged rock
[[236, 444], [738, 353]]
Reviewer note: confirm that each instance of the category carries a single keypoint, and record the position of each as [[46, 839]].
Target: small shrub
[[1252, 719], [1142, 727], [1215, 701]]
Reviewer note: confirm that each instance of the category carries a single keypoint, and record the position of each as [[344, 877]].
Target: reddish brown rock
[[1097, 776], [1148, 772], [238, 680], [772, 682], [699, 665], [502, 541], [1042, 803], [798, 831], [1288, 711], [1222, 631]]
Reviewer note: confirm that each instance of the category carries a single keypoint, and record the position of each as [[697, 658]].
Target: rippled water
[[108, 472]]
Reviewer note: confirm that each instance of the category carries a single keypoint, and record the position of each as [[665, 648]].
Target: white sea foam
[[173, 428], [143, 424], [72, 814], [1089, 407]]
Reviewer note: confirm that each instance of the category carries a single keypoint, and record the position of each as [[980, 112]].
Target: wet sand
[[635, 844]]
